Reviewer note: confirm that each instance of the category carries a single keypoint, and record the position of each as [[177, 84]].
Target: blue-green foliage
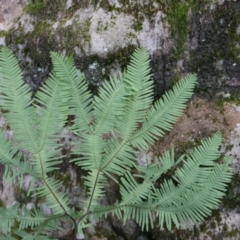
[[122, 111]]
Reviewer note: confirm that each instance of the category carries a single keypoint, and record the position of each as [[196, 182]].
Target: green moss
[[44, 9], [218, 217], [232, 198], [221, 100], [229, 147], [225, 227], [196, 232], [2, 204], [39, 42], [21, 195], [180, 234], [235, 52], [35, 7], [233, 233], [75, 35], [177, 15], [40, 28], [20, 39], [213, 225], [42, 40], [125, 2], [3, 33], [15, 37], [103, 233], [218, 42], [137, 26], [203, 227], [184, 147], [71, 36], [64, 178], [102, 27], [122, 55]]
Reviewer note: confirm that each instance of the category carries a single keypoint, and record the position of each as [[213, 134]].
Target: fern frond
[[154, 171], [53, 96], [164, 113], [125, 108], [118, 109], [85, 222], [194, 196], [174, 205], [45, 161], [108, 155], [108, 106], [80, 102], [138, 75], [16, 99], [195, 203], [197, 188], [7, 237], [96, 178], [49, 225], [55, 199], [110, 129], [139, 93], [29, 236], [95, 181], [12, 160], [118, 158], [206, 153], [35, 219], [7, 217], [131, 191], [90, 159], [200, 161], [54, 112]]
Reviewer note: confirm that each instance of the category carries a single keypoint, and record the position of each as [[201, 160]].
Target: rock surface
[[181, 37]]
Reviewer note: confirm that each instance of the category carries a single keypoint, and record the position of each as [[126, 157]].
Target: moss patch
[[216, 57], [2, 204], [177, 15], [44, 9], [232, 198]]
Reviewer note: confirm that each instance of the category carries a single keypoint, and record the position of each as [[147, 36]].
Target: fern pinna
[[111, 127]]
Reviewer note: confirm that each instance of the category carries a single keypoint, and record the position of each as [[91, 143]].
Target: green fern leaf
[[7, 237], [12, 159], [165, 112], [108, 106], [111, 128], [80, 101], [7, 217], [197, 188], [139, 92], [55, 199], [17, 101]]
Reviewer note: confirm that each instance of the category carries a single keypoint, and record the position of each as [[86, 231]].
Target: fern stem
[[94, 187], [60, 204], [65, 211], [123, 143], [91, 198]]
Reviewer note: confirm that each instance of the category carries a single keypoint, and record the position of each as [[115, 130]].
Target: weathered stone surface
[[180, 36]]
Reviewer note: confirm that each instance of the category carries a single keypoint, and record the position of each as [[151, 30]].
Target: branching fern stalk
[[111, 127]]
